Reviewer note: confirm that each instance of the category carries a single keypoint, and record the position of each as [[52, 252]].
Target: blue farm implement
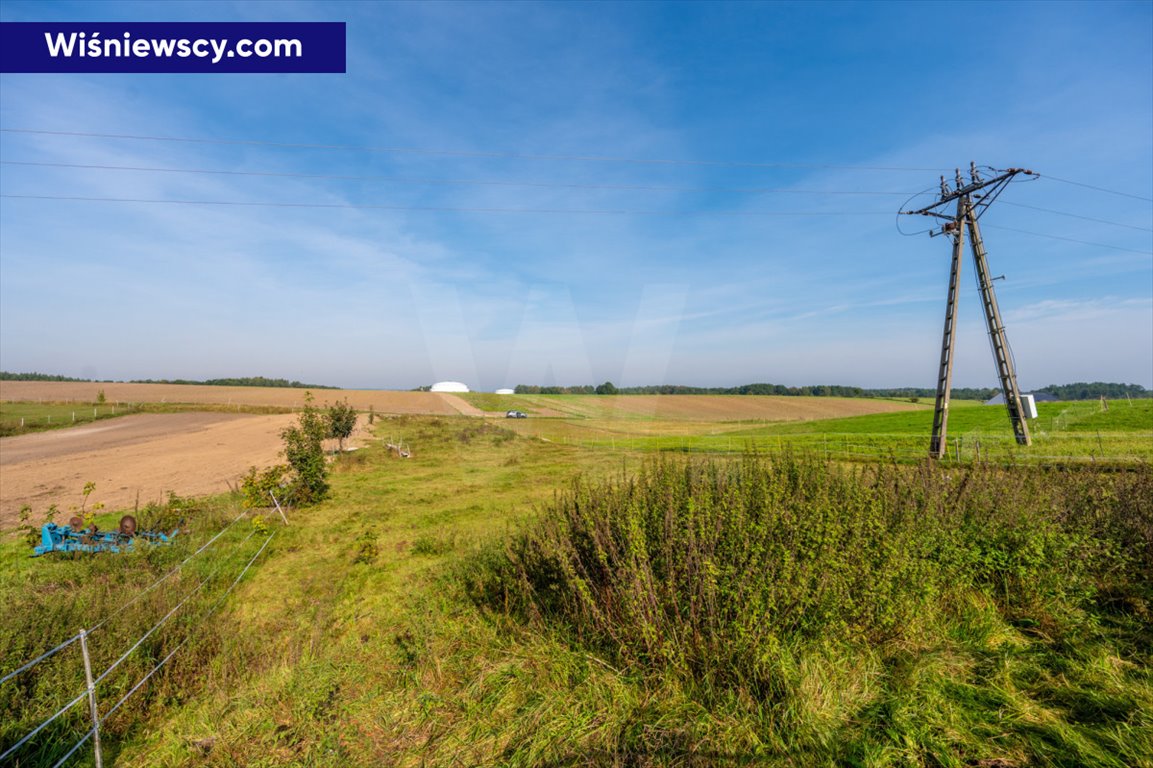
[[75, 537]]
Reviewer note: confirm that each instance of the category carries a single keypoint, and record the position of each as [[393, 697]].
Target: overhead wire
[[460, 182], [531, 155], [552, 211], [546, 185], [1068, 239], [1098, 189], [517, 183], [438, 208], [467, 153], [1077, 216]]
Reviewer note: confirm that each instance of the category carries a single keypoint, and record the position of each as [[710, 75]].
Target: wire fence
[[55, 739], [123, 607]]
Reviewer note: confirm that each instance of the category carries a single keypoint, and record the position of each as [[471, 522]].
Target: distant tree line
[[8, 376], [1092, 390], [1078, 391], [817, 390], [241, 381]]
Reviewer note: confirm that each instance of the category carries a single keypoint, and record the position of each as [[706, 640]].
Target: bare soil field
[[140, 457], [382, 401]]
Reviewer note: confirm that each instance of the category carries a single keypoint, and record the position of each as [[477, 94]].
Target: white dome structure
[[504, 392], [449, 386]]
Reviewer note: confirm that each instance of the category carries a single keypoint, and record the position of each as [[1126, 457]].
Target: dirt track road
[[142, 456]]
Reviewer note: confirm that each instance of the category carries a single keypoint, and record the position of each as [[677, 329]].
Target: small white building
[[449, 386], [505, 392]]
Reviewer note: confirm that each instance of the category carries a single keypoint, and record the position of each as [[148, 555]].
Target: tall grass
[[794, 591]]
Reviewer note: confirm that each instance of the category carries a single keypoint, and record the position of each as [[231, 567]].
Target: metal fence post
[[91, 698]]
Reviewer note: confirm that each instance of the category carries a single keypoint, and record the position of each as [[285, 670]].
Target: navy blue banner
[[172, 47]]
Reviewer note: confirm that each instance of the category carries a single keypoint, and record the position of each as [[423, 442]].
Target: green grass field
[[17, 418], [1063, 432], [20, 417], [381, 627]]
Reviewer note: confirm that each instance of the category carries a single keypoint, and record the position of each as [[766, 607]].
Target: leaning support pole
[[278, 509], [91, 699], [938, 444], [997, 335]]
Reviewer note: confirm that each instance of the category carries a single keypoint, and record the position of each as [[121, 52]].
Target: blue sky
[[524, 232]]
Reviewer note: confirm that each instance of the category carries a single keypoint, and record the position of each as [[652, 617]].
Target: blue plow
[[75, 537]]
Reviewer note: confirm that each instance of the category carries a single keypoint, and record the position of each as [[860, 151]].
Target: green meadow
[[20, 417], [1063, 432], [23, 417], [577, 591]]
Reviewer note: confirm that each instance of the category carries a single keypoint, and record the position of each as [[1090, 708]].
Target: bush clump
[[707, 571]]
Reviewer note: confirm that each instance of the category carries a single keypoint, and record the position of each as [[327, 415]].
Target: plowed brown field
[[147, 455], [141, 457], [382, 401]]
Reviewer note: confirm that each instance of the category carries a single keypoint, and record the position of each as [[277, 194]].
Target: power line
[[534, 184], [467, 153], [579, 211], [527, 155], [1098, 189], [1077, 216], [442, 209], [1070, 239], [461, 182]]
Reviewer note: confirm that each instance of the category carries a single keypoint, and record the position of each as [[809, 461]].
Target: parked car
[[516, 415]]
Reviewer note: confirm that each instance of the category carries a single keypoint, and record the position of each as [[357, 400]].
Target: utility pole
[[973, 199]]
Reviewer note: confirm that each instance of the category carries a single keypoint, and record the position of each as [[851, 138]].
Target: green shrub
[[708, 570], [341, 421], [258, 486], [304, 451]]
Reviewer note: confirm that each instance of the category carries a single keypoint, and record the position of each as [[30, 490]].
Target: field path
[[141, 456], [462, 406]]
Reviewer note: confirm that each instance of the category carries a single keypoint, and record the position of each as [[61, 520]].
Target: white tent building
[[449, 386]]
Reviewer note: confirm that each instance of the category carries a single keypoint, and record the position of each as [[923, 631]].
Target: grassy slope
[[359, 648]]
